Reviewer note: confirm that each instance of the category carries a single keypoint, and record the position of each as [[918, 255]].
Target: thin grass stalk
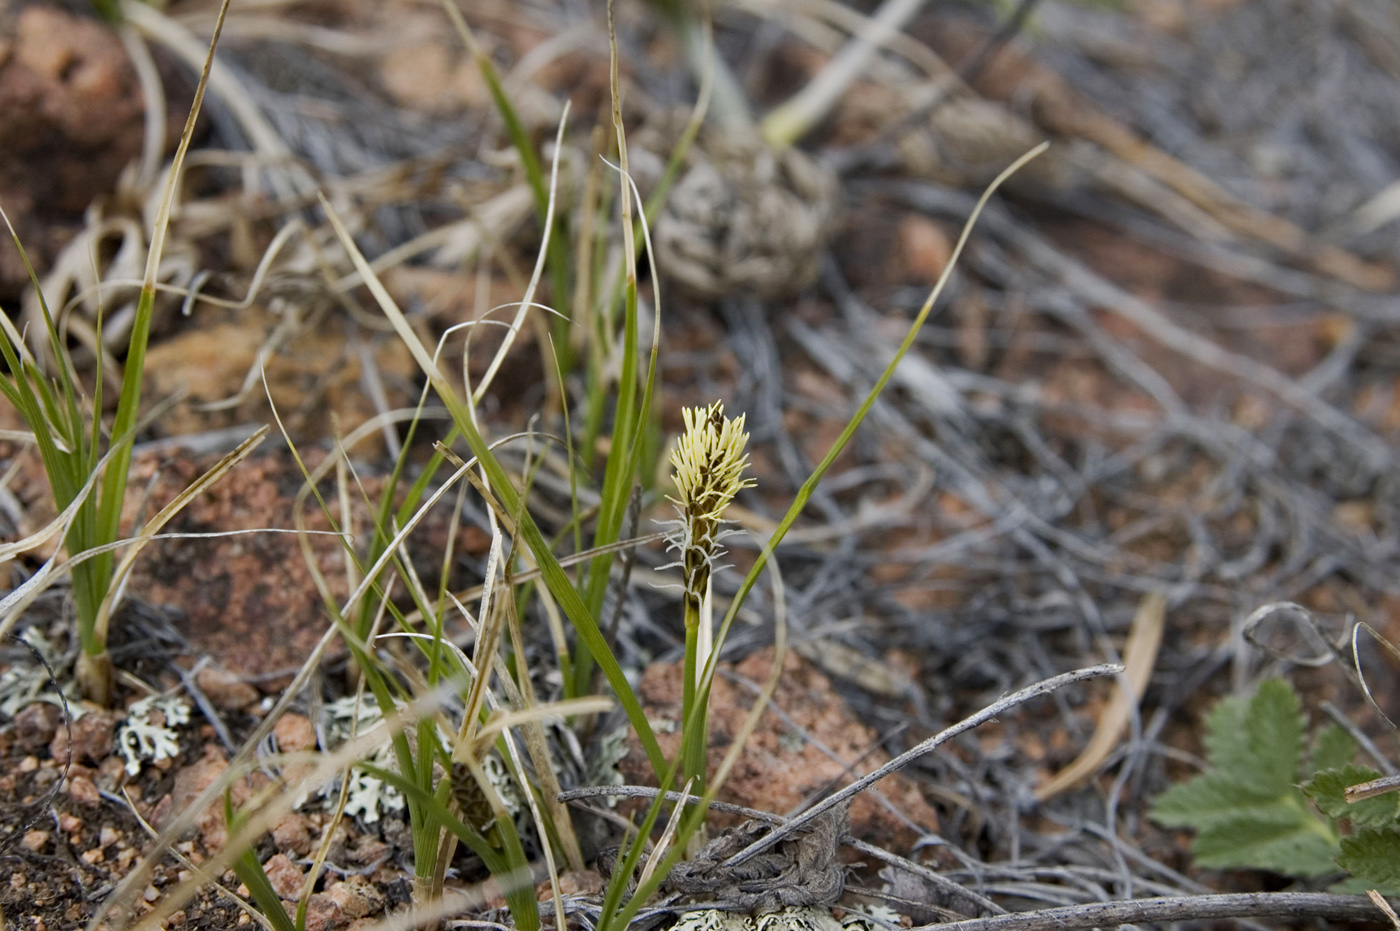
[[552, 573], [615, 918], [94, 668], [618, 474], [804, 493], [556, 241]]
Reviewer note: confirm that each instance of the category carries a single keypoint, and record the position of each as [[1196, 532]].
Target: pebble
[[108, 835], [69, 823], [225, 690], [286, 877], [112, 770], [36, 725], [91, 740], [190, 781], [82, 791], [294, 733], [322, 913], [356, 898], [34, 841], [291, 833]]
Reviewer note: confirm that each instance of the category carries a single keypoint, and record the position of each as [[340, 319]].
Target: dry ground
[[1169, 364]]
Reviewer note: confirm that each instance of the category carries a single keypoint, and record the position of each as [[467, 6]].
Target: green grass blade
[[507, 867], [251, 874], [553, 574], [804, 494]]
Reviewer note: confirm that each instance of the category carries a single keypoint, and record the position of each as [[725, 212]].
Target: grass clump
[[86, 461], [446, 713]]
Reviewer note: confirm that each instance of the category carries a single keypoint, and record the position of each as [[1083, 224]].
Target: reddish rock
[[92, 738], [111, 773], [356, 897], [161, 813], [322, 914], [225, 690], [252, 602], [36, 725], [292, 833], [190, 781], [82, 791], [367, 849], [294, 733], [286, 877]]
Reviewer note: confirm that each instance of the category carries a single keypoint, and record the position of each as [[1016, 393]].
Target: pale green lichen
[[139, 738]]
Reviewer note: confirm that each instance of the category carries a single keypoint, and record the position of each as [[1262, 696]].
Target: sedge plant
[[709, 467], [86, 461], [440, 774]]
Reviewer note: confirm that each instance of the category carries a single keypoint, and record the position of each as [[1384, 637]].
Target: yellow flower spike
[[709, 461]]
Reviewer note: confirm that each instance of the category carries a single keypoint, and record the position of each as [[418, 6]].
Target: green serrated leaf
[[1373, 854], [1225, 751], [1272, 839], [1353, 885], [1247, 809], [1273, 729], [1206, 800], [1328, 790], [1333, 749]]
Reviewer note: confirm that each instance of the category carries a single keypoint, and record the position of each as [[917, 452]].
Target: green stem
[[693, 718]]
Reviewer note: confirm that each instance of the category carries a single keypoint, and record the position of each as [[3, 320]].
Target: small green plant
[[86, 461], [76, 457], [1263, 804]]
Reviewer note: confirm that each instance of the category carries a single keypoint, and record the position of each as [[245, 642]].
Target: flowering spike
[[709, 462]]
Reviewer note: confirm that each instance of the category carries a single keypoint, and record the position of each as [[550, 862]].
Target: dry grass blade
[[791, 121], [491, 621], [1385, 644], [668, 836], [1139, 656], [1373, 788], [164, 516], [527, 301], [1384, 906]]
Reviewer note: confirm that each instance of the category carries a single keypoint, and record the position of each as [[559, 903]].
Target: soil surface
[[1167, 366]]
